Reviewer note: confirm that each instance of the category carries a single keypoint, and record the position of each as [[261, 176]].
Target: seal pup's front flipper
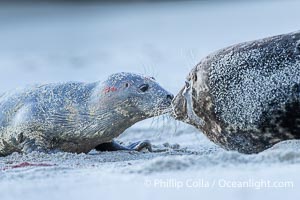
[[114, 146], [141, 145]]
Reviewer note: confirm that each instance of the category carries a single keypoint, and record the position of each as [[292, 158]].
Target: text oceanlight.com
[[220, 183]]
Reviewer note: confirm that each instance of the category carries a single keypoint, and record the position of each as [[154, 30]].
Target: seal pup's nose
[[170, 97]]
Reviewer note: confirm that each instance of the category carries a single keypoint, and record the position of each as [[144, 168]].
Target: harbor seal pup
[[78, 117], [245, 97]]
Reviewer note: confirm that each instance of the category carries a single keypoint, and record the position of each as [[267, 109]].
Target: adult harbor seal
[[246, 97], [78, 117]]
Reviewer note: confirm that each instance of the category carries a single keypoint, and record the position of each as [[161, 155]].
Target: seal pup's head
[[133, 95]]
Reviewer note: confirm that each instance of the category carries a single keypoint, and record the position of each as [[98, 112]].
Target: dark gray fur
[[246, 97], [76, 117]]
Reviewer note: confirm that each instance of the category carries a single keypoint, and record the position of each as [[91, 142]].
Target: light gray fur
[[76, 117]]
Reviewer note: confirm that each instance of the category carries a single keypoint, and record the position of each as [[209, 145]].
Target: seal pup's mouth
[[167, 110], [164, 106]]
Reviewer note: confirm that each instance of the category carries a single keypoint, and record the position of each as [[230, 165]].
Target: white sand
[[87, 43]]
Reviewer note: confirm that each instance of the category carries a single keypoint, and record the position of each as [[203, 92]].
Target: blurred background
[[50, 41]]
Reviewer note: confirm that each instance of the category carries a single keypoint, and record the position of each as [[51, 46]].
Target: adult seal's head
[[245, 97], [78, 117]]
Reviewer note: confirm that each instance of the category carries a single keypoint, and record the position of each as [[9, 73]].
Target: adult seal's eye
[[144, 87]]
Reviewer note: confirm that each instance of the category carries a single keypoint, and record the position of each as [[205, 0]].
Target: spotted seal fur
[[246, 97]]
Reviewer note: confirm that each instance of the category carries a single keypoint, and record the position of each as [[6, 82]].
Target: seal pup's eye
[[297, 47], [153, 78], [144, 87], [126, 84]]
